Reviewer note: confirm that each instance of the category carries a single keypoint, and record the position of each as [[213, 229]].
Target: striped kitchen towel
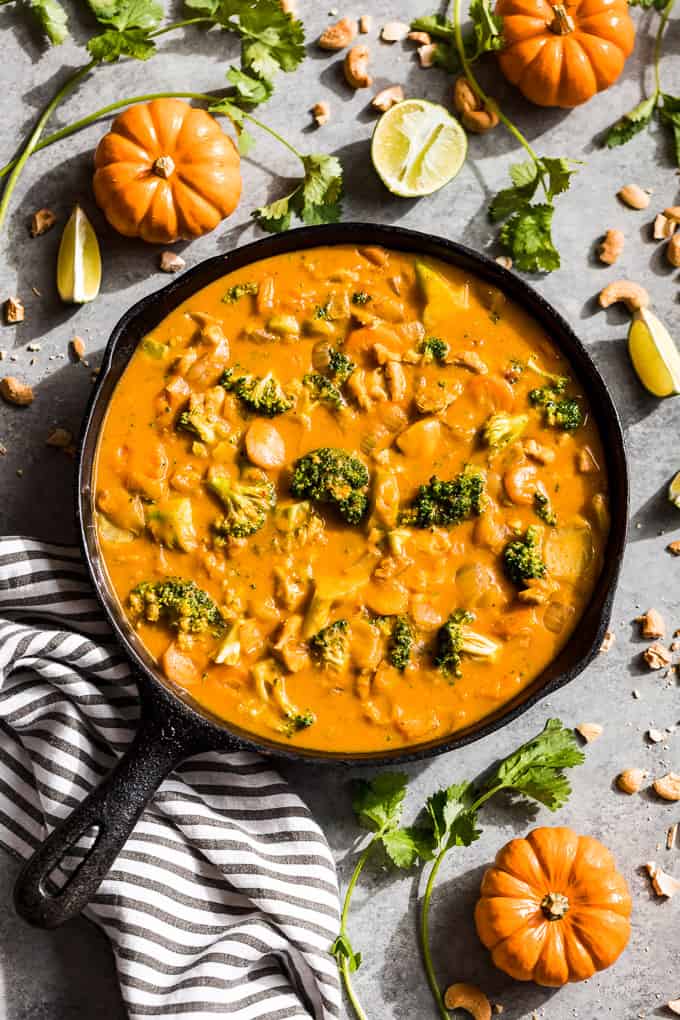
[[224, 899]]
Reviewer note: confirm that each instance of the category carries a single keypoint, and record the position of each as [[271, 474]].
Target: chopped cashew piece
[[321, 112], [475, 115], [394, 31], [339, 35], [611, 247], [631, 780], [590, 731], [355, 67], [170, 262], [504, 260], [387, 98], [672, 835], [656, 736], [42, 221], [608, 641], [663, 883], [365, 23], [673, 213], [634, 196], [77, 346], [674, 548], [426, 54], [14, 311], [470, 998], [673, 251], [663, 227], [16, 392], [651, 624], [632, 294], [656, 656], [668, 787]]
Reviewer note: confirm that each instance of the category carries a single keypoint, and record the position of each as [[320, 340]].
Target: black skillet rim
[[150, 310]]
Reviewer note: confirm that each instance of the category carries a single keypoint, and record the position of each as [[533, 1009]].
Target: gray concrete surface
[[69, 974]]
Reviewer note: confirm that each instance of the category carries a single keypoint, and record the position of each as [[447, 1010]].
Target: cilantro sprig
[[52, 18], [484, 35], [536, 771], [665, 106]]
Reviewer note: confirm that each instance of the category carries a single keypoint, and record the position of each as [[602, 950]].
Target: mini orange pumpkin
[[562, 54], [553, 908], [166, 172]]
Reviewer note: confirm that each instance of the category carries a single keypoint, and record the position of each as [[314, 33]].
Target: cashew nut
[[611, 247], [321, 112], [171, 262], [476, 117], [387, 98], [365, 23], [673, 213], [339, 35], [668, 787], [590, 731], [16, 392], [42, 221], [632, 294], [673, 250], [631, 780], [469, 998], [652, 624], [394, 31], [664, 227], [355, 67], [423, 38], [426, 54], [634, 197]]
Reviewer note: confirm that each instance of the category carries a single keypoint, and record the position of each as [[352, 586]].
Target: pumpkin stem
[[164, 166], [562, 23], [554, 906]]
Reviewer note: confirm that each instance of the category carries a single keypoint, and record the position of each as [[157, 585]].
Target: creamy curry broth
[[407, 419]]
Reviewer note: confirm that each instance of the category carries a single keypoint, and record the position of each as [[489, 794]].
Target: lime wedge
[[674, 490], [655, 357], [443, 300], [79, 264], [417, 148]]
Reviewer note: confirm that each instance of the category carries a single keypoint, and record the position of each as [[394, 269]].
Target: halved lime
[[674, 490], [79, 264], [655, 357], [417, 148]]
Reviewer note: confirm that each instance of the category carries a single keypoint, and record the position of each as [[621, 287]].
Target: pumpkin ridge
[[126, 125], [196, 193], [158, 111]]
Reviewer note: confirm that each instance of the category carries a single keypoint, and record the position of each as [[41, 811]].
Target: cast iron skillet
[[172, 726]]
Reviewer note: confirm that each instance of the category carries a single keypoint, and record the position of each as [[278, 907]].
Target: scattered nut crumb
[[656, 656], [590, 731], [423, 38], [170, 262], [631, 780], [60, 438], [636, 693], [394, 31], [656, 736], [634, 196], [608, 641], [651, 624], [674, 548], [672, 835], [668, 787], [3, 450], [504, 260], [14, 311], [663, 227], [77, 346], [321, 112], [426, 54], [498, 1007], [16, 392], [365, 24], [33, 347], [42, 221], [339, 35], [611, 247], [387, 98], [663, 883]]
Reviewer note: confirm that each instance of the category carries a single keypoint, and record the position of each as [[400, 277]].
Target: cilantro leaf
[[487, 28], [128, 14], [112, 44], [317, 199], [249, 89], [670, 115], [378, 804], [451, 816], [536, 769], [436, 25], [52, 18], [405, 846], [528, 237], [631, 123], [647, 5], [525, 181], [559, 175]]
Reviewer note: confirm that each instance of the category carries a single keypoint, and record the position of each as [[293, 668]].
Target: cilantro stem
[[658, 43], [344, 962], [35, 135], [179, 24]]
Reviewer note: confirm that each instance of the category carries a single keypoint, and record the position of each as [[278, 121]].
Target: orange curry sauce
[[406, 418]]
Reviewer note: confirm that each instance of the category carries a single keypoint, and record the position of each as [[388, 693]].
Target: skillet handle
[[164, 737]]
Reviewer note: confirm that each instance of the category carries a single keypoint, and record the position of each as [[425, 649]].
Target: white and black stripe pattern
[[224, 900]]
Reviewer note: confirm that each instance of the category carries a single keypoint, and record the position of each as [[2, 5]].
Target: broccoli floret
[[296, 721], [322, 311], [330, 475], [400, 643], [177, 602], [171, 523], [340, 367], [323, 390], [330, 647], [543, 508], [501, 429], [446, 503], [240, 290], [558, 412], [360, 297], [264, 395], [455, 639], [246, 503], [196, 422], [522, 557], [555, 381], [433, 348]]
